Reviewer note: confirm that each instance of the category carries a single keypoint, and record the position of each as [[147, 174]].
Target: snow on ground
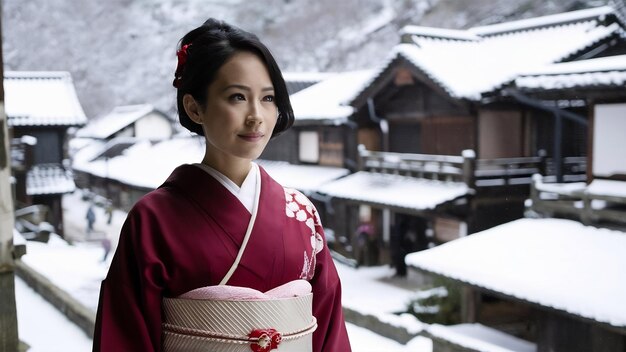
[[43, 327], [78, 269], [363, 288], [363, 340]]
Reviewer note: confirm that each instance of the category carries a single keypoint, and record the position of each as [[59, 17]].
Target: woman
[[189, 232]]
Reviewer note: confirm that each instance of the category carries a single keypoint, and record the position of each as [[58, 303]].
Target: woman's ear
[[192, 108]]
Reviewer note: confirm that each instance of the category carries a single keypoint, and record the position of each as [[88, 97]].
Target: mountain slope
[[123, 51]]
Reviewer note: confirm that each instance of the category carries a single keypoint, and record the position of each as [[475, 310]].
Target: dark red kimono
[[186, 234]]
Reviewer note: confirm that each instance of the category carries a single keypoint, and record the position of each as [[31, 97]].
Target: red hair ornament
[[182, 59]]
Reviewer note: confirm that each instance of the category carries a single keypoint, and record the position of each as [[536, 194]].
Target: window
[[309, 151]]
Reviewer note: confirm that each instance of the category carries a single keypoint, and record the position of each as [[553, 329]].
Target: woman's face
[[240, 112]]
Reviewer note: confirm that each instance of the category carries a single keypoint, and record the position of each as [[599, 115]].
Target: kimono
[[186, 235]]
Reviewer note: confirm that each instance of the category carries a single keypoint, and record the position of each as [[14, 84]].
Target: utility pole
[[8, 312]]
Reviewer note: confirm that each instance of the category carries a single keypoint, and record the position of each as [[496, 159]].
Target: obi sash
[[222, 319], [284, 324]]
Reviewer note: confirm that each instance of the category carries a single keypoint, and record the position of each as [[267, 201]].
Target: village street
[[464, 161]]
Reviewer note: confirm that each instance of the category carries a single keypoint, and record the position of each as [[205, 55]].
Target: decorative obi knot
[[265, 340]]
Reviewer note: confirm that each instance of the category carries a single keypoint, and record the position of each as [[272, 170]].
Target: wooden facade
[[39, 138], [407, 109]]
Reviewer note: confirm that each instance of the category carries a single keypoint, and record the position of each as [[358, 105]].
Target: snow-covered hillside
[[123, 51]]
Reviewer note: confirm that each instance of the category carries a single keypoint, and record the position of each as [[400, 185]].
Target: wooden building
[[441, 92], [553, 279], [322, 133], [554, 283], [141, 121], [40, 107], [600, 84]]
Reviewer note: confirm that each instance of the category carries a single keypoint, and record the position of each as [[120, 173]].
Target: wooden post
[[8, 312], [542, 154], [469, 167], [360, 156], [469, 300]]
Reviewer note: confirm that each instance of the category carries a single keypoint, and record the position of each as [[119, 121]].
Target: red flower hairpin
[[182, 59]]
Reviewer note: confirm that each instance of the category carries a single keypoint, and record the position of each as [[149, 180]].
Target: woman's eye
[[237, 97], [269, 98]]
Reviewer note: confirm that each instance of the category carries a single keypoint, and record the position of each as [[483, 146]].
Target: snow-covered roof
[[327, 100], [144, 164], [118, 119], [477, 337], [443, 33], [41, 99], [148, 165], [394, 190], [597, 13], [48, 179], [466, 64], [555, 263], [305, 178], [297, 81], [314, 77], [601, 72]]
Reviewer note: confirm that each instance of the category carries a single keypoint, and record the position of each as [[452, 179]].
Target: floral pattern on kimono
[[301, 209]]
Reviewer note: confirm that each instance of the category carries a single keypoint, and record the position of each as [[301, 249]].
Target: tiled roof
[[593, 73], [120, 118], [48, 179], [297, 81], [42, 99], [327, 100], [469, 63]]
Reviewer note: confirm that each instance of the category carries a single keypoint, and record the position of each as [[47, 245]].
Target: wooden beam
[[8, 312]]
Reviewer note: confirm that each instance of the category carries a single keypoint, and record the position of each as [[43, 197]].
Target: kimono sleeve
[[331, 333], [129, 309]]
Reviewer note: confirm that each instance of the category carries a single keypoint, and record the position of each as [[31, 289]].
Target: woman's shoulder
[[170, 194]]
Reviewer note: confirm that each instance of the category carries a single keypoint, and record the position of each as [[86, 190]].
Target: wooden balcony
[[476, 173], [600, 202]]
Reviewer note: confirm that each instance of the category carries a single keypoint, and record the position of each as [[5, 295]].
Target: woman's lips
[[251, 137]]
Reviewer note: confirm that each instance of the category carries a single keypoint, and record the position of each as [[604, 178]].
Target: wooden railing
[[508, 171], [465, 168], [576, 201], [435, 167], [22, 153]]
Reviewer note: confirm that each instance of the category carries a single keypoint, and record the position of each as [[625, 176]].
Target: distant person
[[365, 236], [91, 219], [222, 224], [109, 212], [106, 247]]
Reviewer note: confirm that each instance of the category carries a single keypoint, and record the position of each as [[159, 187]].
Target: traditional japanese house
[[440, 93], [322, 133], [40, 107], [554, 278], [110, 135], [599, 83], [543, 284], [141, 121]]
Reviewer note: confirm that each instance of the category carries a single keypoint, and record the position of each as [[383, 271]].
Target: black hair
[[210, 46]]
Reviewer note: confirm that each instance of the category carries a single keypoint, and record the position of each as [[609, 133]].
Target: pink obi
[[231, 318]]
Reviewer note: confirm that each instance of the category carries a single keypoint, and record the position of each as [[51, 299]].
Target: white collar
[[246, 192]]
